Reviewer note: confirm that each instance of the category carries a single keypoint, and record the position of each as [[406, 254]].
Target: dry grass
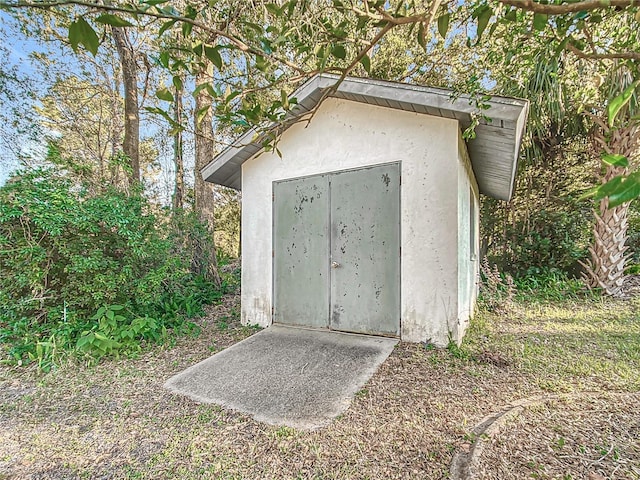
[[114, 420], [594, 436]]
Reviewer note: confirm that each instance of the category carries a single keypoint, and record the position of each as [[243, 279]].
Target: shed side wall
[[346, 135], [468, 244]]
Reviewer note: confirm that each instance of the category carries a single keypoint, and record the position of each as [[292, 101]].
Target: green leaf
[[161, 112], [273, 9], [168, 10], [562, 46], [190, 12], [261, 63], [625, 189], [113, 20], [620, 101], [254, 26], [511, 15], [212, 54], [186, 29], [284, 98], [166, 26], [177, 82], [199, 88], [231, 94], [164, 59], [595, 18], [362, 22], [164, 94], [200, 114], [615, 160], [99, 313], [82, 341], [266, 46], [81, 33], [339, 51], [366, 63], [484, 15], [609, 188], [540, 21], [197, 49], [443, 24], [589, 193]]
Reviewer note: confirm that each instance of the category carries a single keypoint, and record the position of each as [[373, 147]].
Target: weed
[[559, 443], [362, 393], [456, 351], [284, 432], [497, 290], [428, 345], [470, 437]]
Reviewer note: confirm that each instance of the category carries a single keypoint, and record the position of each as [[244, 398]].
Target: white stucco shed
[[368, 221]]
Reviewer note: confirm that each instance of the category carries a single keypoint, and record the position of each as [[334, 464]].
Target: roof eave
[[226, 168]]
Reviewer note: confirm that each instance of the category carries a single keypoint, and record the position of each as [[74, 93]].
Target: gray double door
[[336, 258]]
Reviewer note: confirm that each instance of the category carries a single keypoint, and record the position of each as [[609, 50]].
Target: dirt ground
[[115, 420]]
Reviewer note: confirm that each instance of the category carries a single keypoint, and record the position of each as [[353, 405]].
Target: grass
[[566, 346], [114, 420]]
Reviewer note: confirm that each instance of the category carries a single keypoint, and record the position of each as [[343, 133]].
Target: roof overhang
[[493, 152]]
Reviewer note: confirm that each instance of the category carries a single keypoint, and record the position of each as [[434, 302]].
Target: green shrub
[[549, 284], [98, 273], [536, 237]]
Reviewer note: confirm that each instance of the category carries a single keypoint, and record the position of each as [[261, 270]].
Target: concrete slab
[[286, 376]]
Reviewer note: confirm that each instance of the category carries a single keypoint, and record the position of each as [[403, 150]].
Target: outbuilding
[[366, 219]]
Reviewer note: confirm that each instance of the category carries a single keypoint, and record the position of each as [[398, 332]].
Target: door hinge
[[273, 253], [273, 197]]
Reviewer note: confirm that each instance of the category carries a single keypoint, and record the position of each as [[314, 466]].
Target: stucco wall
[[346, 135], [468, 248]]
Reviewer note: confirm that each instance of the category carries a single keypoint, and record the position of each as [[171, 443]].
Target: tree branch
[[603, 56], [239, 44], [564, 8], [425, 18]]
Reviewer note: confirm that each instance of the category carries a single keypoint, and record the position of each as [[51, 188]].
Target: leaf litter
[[114, 419]]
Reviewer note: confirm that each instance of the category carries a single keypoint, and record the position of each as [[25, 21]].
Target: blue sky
[[18, 48]]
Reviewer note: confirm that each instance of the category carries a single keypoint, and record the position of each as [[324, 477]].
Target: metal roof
[[493, 153]]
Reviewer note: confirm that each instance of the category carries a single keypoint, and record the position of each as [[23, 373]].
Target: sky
[[18, 48]]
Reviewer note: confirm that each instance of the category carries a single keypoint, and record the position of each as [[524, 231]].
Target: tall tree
[[617, 142], [131, 141], [204, 153], [294, 39], [178, 148]]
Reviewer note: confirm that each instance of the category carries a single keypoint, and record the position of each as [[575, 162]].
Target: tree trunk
[[605, 268], [131, 142], [178, 192], [204, 153]]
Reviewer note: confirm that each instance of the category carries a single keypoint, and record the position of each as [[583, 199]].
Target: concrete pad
[[286, 376]]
